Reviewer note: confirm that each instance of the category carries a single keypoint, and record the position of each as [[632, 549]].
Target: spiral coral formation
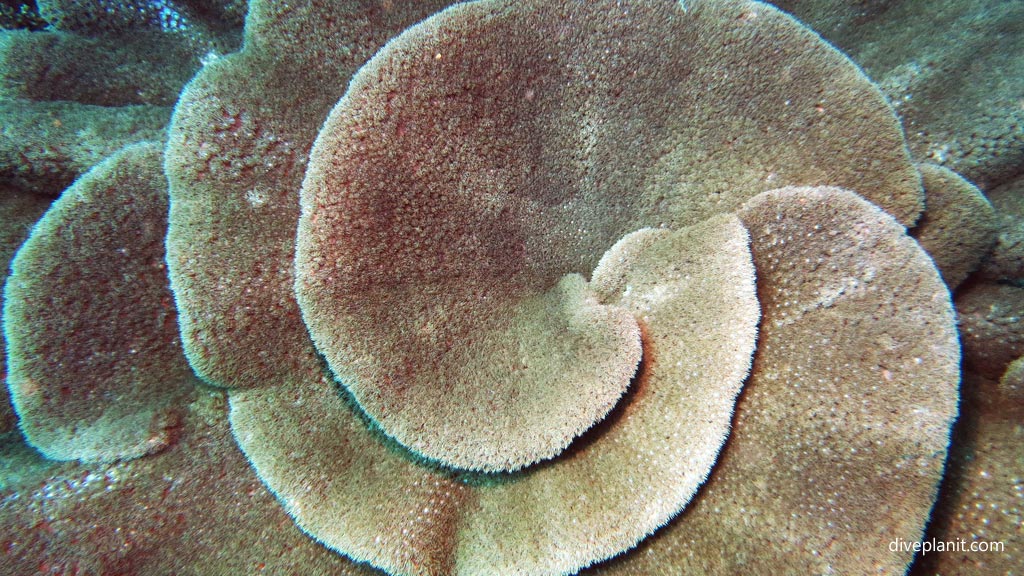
[[527, 287]]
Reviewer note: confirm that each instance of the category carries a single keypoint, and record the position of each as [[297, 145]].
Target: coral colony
[[512, 287]]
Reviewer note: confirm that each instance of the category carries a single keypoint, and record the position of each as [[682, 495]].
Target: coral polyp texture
[[46, 145], [958, 228], [1006, 261], [95, 361], [533, 287], [452, 186], [318, 455], [18, 212], [955, 73], [981, 494], [196, 508], [843, 424], [238, 146], [991, 326], [51, 66], [126, 17], [76, 92]]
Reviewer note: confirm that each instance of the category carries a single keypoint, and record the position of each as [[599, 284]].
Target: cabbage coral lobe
[[96, 368], [235, 157], [18, 212], [958, 227], [438, 205], [857, 341], [604, 494], [554, 287]]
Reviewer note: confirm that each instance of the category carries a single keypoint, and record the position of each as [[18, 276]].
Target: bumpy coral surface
[[437, 200], [1006, 262], [503, 287], [18, 212], [95, 362], [555, 517], [238, 146], [992, 326], [100, 76], [201, 28], [954, 70], [46, 145], [958, 228], [196, 508], [980, 504]]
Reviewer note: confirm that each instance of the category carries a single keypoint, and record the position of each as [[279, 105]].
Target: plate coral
[[504, 287]]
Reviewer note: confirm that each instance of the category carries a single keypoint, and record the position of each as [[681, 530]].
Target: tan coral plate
[[502, 287]]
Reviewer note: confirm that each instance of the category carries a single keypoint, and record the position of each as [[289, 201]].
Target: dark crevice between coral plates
[[478, 478]]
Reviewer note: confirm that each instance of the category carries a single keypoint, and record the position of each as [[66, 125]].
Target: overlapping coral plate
[[498, 287]]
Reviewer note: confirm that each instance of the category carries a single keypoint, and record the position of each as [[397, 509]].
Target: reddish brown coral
[[455, 203], [235, 160], [18, 212], [440, 202], [692, 290], [95, 362]]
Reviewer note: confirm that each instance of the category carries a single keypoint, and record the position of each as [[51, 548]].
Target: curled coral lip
[[439, 196], [485, 381], [477, 167], [844, 421], [88, 318], [600, 497], [438, 209]]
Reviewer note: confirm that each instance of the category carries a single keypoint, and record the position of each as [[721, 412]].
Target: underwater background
[[537, 287]]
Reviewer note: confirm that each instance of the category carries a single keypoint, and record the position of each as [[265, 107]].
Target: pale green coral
[[45, 146], [197, 509], [239, 142], [200, 29], [50, 66], [818, 456]]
